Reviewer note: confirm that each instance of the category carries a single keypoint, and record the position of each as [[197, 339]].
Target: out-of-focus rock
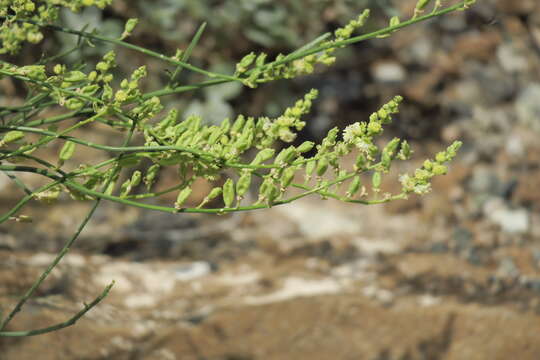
[[388, 72], [512, 221], [512, 58], [528, 106], [522, 7]]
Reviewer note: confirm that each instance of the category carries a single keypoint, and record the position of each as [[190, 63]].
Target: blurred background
[[452, 275]]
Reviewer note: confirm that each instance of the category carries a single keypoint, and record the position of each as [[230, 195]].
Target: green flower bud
[[92, 76], [263, 189], [66, 152], [394, 21], [125, 188], [128, 28], [271, 194], [310, 168], [243, 184], [287, 177], [374, 128], [262, 156], [246, 61], [422, 175], [376, 180], [228, 193], [305, 147], [182, 197], [58, 69], [225, 125], [440, 157], [136, 178], [75, 76], [89, 90], [286, 155], [360, 162], [421, 4], [215, 134], [74, 104], [405, 151], [151, 174], [48, 197], [391, 147], [260, 59], [29, 6], [12, 136], [214, 193], [238, 125], [120, 96], [439, 169], [322, 166], [110, 187], [102, 66], [354, 186], [386, 161]]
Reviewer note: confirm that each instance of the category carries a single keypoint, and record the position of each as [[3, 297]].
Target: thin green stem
[[50, 138], [58, 258], [25, 199], [70, 322], [356, 39], [309, 49], [127, 45], [19, 183], [187, 54], [101, 195]]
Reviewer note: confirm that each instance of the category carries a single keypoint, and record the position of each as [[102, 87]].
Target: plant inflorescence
[[230, 155]]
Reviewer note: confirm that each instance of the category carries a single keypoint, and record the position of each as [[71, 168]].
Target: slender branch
[[58, 258], [308, 50], [70, 322], [127, 45], [187, 54], [143, 149], [125, 201], [19, 183], [355, 39]]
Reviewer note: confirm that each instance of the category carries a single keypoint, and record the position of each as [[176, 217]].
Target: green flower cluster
[[14, 33], [420, 181], [230, 156], [254, 70]]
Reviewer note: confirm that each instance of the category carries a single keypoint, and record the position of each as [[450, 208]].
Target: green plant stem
[[46, 273], [25, 199], [142, 149], [19, 183], [127, 45], [371, 35], [187, 54], [50, 138], [125, 201], [69, 322], [55, 262]]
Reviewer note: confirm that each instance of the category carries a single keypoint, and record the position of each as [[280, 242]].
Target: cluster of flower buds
[[14, 34], [254, 69], [420, 181]]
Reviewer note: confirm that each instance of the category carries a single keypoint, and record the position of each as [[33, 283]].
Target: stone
[[388, 72], [512, 221], [512, 58], [507, 268], [192, 270], [528, 107]]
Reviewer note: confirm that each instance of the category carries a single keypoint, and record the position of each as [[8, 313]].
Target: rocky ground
[[452, 275]]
